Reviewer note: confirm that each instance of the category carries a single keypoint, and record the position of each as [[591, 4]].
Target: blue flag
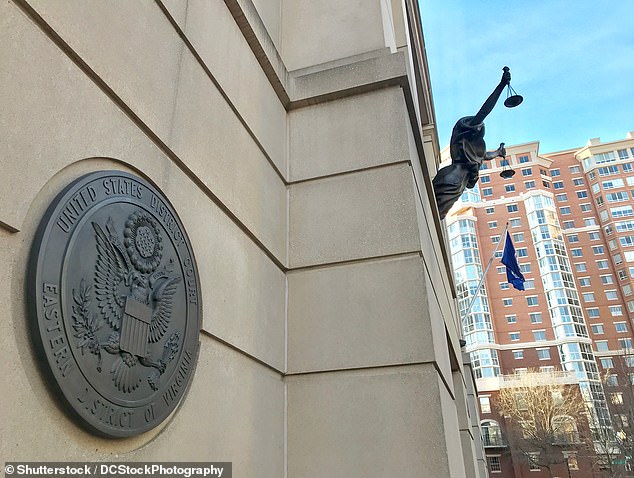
[[509, 259]]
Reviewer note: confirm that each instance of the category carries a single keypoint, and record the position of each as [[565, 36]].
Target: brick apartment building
[[571, 217]]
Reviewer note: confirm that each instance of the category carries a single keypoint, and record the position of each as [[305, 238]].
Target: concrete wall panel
[[353, 216], [364, 314], [374, 422], [354, 133], [319, 32]]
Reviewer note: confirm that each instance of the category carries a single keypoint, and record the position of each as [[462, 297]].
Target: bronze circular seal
[[114, 294]]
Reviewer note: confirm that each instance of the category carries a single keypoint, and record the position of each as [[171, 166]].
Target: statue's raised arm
[[468, 150]]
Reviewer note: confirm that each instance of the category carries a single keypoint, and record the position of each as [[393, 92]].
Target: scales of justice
[[468, 149]]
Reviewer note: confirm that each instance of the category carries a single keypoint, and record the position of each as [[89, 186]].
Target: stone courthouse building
[[296, 142]]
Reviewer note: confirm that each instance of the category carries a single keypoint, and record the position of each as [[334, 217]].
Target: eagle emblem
[[134, 297]]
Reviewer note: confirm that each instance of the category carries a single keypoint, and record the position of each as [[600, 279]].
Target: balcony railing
[[494, 441], [567, 438]]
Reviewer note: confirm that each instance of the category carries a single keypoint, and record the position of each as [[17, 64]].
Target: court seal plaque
[[115, 303]]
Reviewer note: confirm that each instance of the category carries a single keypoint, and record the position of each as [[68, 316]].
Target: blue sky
[[572, 61]]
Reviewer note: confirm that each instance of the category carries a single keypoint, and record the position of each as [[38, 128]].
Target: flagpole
[[475, 294]]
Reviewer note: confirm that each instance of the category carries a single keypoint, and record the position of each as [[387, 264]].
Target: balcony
[[494, 441], [566, 439]]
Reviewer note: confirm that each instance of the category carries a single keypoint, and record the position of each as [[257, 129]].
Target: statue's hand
[[506, 76], [502, 150]]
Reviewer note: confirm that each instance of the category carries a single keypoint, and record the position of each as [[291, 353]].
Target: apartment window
[[543, 172], [527, 172], [485, 179], [529, 184], [500, 269], [626, 344], [611, 295], [595, 188], [572, 238], [485, 404], [585, 207], [564, 210], [487, 192], [626, 241], [543, 354], [598, 250], [608, 170], [569, 224], [509, 188], [607, 363], [546, 184], [621, 327], [504, 286], [607, 279], [581, 267], [555, 172], [512, 208], [599, 201], [539, 335], [597, 329], [575, 169], [616, 398], [609, 229], [601, 345], [558, 184], [484, 165], [576, 252], [492, 224], [508, 302], [629, 361], [562, 197], [627, 168], [622, 274], [593, 236], [514, 336], [495, 239], [533, 459], [518, 354], [588, 296], [589, 221], [603, 215], [616, 310], [593, 312], [489, 210], [522, 252], [524, 268], [627, 290], [622, 211], [619, 196], [592, 175], [529, 284], [535, 317], [622, 153], [518, 237], [531, 300], [577, 181], [515, 223], [523, 159], [584, 281], [511, 319], [603, 264], [612, 183]]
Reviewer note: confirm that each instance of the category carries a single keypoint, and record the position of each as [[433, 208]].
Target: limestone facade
[[296, 141]]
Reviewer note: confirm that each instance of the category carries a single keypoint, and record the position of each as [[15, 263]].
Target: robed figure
[[468, 150]]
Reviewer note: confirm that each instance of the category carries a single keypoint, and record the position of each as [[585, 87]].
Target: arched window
[[565, 430], [491, 433]]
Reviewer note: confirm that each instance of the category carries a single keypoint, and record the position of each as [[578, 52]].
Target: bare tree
[[546, 419], [616, 443]]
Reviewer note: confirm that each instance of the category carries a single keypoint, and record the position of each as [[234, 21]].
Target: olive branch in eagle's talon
[[86, 324]]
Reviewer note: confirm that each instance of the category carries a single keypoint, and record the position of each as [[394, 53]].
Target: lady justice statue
[[468, 150]]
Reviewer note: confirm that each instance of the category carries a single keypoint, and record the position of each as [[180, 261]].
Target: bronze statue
[[468, 150]]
